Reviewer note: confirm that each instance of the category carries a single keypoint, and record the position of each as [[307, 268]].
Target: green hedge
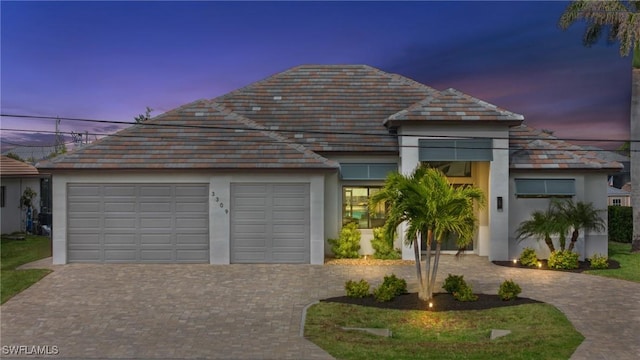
[[620, 223]]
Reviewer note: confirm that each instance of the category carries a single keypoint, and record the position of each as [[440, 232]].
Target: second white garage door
[[270, 223]]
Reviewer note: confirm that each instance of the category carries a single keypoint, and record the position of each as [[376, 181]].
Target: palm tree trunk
[[436, 260], [416, 253], [635, 149], [549, 242], [425, 284], [574, 239]]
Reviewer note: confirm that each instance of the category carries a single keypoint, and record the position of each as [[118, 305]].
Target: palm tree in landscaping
[[432, 207], [622, 21], [578, 216], [542, 225]]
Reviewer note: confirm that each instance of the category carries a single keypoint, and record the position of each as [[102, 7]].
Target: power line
[[152, 123]]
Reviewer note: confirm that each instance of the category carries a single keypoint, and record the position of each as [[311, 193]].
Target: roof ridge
[[240, 89], [268, 133], [402, 78], [500, 110], [419, 103]]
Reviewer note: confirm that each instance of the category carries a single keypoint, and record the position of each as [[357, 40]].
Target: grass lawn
[[629, 263], [15, 253], [539, 331]]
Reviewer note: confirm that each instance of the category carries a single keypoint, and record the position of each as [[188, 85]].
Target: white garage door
[[137, 223], [270, 223]]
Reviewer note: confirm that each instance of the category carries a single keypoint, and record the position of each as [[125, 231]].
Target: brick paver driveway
[[254, 311]]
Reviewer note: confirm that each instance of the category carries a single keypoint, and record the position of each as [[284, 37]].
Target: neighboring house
[[618, 178], [15, 177], [266, 173], [618, 197], [31, 154]]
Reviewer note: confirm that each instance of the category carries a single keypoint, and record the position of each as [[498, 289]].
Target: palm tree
[[622, 20], [429, 205], [543, 225], [578, 216]]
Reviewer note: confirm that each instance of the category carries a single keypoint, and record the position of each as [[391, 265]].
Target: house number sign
[[217, 199]]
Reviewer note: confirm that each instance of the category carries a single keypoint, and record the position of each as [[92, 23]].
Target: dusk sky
[[110, 60]]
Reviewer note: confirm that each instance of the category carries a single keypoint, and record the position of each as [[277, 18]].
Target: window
[[455, 149], [2, 195], [542, 188], [617, 202], [366, 171], [355, 207], [452, 168]]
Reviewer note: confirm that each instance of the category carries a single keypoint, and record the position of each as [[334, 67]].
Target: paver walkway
[[254, 311]]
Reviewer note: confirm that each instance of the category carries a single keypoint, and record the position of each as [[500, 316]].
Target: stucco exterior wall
[[590, 187], [492, 238], [219, 188], [13, 218]]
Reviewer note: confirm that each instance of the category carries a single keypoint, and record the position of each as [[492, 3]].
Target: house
[[32, 154], [15, 177], [618, 197], [268, 172], [618, 178]]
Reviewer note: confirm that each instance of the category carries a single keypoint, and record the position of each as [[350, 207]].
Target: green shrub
[[563, 259], [528, 257], [453, 283], [383, 293], [598, 261], [348, 244], [509, 290], [465, 293], [391, 287], [620, 219], [357, 289], [383, 246]]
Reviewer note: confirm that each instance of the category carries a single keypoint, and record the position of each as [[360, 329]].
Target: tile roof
[[289, 120], [613, 191], [452, 105], [200, 135], [322, 106], [12, 167], [535, 149]]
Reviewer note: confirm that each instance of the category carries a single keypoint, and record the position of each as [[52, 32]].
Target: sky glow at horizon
[[109, 60]]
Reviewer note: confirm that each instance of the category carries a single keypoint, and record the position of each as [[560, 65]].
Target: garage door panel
[[84, 239], [155, 207], [289, 215], [138, 223], [156, 223], [191, 256], [270, 223], [84, 223], [83, 191], [119, 239], [117, 207], [188, 207], [124, 191], [191, 191], [155, 239], [120, 255], [186, 239], [119, 223]]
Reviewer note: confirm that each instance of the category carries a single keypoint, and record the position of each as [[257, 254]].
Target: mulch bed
[[582, 265], [441, 301]]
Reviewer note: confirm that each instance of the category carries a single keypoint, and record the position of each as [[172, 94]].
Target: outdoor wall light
[[499, 203]]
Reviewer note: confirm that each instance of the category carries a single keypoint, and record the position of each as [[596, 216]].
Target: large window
[[355, 207], [545, 188]]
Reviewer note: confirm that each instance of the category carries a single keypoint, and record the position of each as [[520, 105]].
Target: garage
[[270, 223], [138, 223]]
